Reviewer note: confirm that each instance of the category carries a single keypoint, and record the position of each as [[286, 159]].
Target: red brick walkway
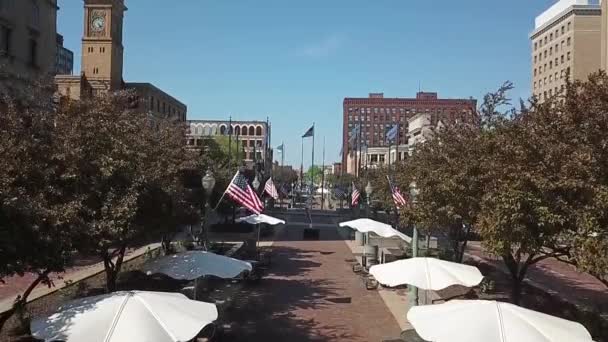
[[559, 279], [311, 294]]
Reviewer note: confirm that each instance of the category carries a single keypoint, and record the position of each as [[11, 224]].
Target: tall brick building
[[376, 114]]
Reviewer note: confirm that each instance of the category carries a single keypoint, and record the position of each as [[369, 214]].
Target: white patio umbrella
[[426, 273], [366, 225], [192, 265], [490, 321], [125, 317], [261, 218], [322, 191]]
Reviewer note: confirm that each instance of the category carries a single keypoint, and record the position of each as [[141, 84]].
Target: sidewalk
[[556, 278], [395, 300], [16, 285]]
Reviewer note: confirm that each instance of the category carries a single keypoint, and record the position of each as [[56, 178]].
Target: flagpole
[[312, 173], [224, 194], [323, 178], [282, 166], [302, 167], [238, 153], [388, 140], [397, 146], [230, 142], [360, 147]]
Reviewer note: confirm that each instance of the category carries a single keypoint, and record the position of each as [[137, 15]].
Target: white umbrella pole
[[257, 244], [195, 289]]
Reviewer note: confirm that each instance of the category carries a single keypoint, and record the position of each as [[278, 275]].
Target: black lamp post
[[414, 197], [208, 182], [368, 193]]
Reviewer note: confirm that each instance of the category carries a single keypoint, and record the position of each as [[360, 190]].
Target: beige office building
[[28, 36], [565, 41]]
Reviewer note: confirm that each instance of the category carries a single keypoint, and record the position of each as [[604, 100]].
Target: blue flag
[[309, 133], [391, 135]]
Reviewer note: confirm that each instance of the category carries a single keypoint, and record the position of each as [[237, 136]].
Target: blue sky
[[295, 61]]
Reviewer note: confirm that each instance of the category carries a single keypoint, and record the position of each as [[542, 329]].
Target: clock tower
[[102, 49]]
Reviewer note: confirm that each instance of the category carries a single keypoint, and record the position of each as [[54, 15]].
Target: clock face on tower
[[98, 23]]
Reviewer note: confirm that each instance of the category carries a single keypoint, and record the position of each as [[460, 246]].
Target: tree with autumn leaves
[[532, 181], [95, 176]]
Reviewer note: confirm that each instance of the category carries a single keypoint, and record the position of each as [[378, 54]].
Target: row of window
[[238, 130], [549, 37], [549, 52], [165, 108], [551, 65], [376, 110], [553, 77], [545, 95], [6, 46], [91, 49], [374, 158], [248, 155]]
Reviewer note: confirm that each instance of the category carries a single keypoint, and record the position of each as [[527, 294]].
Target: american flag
[[242, 193], [355, 196], [270, 189], [397, 196]]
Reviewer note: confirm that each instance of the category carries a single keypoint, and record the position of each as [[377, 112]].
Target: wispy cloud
[[329, 45]]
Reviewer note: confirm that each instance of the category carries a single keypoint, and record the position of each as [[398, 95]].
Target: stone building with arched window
[[253, 135]]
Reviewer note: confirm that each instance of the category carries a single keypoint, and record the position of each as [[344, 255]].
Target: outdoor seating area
[[442, 289], [175, 297]]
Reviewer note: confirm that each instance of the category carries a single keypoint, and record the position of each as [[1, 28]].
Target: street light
[[208, 182], [368, 192], [414, 191], [256, 183]]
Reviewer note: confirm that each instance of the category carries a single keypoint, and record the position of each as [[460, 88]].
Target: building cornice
[[582, 10]]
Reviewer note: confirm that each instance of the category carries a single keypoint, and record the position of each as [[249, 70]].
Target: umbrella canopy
[[261, 218], [366, 225], [426, 273], [194, 264], [490, 321], [127, 316]]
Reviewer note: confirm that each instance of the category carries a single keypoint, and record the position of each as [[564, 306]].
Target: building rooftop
[[152, 86], [561, 8], [228, 121], [420, 96]]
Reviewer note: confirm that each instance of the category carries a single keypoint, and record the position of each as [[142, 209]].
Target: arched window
[[214, 130], [251, 130], [207, 130], [223, 130], [258, 131], [237, 130]]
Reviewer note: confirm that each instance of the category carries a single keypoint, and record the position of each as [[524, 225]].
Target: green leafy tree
[[128, 166], [314, 172], [38, 205], [546, 197]]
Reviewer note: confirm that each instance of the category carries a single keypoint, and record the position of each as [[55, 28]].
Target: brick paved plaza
[[311, 294]]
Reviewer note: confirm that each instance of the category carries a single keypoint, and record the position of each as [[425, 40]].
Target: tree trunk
[[516, 290], [113, 268], [22, 299], [463, 244], [518, 271]]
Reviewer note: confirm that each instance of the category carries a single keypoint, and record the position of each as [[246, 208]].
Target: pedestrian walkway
[[396, 300], [556, 278], [14, 286], [311, 294]]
